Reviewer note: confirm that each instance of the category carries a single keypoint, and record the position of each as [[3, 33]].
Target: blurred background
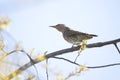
[[30, 21]]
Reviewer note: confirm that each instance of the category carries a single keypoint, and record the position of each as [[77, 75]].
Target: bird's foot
[[83, 47]]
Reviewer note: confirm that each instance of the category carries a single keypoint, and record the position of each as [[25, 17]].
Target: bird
[[72, 36]]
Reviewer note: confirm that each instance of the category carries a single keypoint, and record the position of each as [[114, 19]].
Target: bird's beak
[[52, 26]]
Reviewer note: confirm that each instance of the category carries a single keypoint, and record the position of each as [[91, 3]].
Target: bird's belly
[[73, 40]]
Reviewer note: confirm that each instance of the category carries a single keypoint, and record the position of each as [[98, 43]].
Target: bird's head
[[61, 27]]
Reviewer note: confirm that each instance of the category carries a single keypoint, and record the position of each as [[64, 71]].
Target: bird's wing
[[80, 35], [76, 33]]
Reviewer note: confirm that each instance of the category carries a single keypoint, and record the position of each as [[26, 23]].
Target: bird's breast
[[72, 39]]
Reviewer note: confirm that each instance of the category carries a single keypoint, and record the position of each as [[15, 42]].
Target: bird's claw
[[83, 47]]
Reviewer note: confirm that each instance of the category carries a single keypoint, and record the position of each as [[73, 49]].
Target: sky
[[30, 21]]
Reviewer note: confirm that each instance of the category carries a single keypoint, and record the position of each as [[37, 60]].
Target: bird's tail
[[93, 35]]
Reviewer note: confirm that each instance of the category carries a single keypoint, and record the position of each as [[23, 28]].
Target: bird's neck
[[65, 31]]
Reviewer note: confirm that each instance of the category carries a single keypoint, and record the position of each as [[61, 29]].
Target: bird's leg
[[73, 45]]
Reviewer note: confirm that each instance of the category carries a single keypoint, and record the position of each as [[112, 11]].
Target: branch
[[90, 67], [93, 45], [117, 47], [60, 52]]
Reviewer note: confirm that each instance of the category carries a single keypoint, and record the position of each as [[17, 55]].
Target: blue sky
[[30, 25]]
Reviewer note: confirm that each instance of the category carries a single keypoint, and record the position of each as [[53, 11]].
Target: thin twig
[[90, 67], [47, 69], [67, 60], [31, 60], [115, 44], [78, 55], [103, 66]]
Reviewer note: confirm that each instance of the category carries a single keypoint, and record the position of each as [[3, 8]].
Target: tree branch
[[90, 67], [60, 52], [93, 45]]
